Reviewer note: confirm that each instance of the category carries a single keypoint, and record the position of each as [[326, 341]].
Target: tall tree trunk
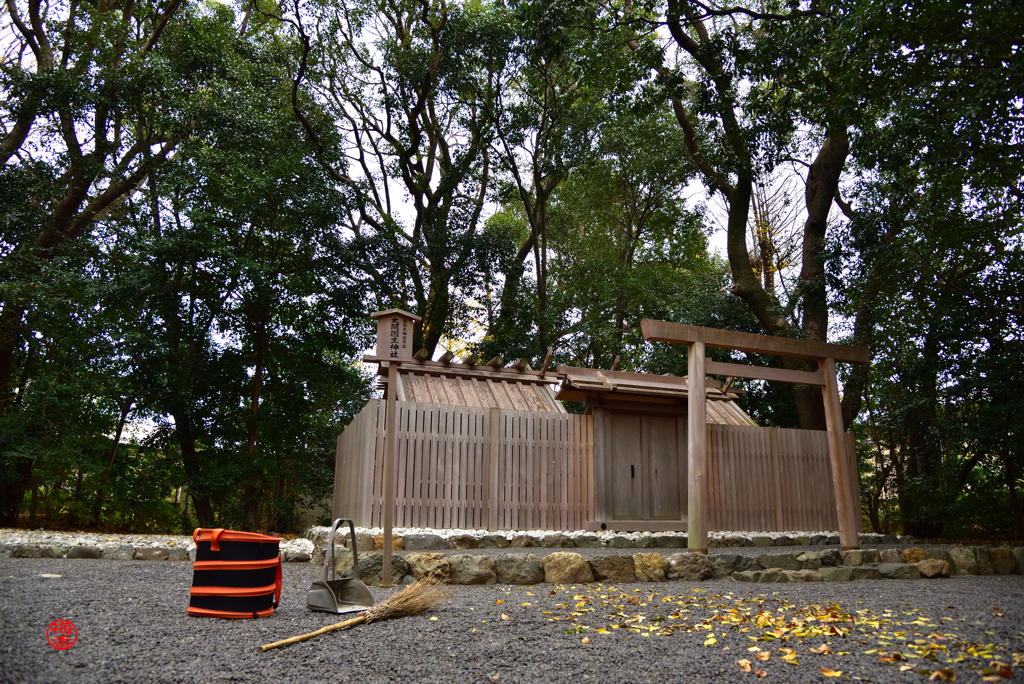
[[1011, 485], [190, 459], [97, 510], [252, 509]]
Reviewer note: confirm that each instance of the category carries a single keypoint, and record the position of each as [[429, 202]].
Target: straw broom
[[415, 599]]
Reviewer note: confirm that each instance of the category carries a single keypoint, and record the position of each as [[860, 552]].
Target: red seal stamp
[[61, 634]]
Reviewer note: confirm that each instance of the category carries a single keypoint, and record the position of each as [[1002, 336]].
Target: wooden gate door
[[647, 477], [666, 490]]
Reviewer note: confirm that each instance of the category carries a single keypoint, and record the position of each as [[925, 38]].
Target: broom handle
[[322, 630]]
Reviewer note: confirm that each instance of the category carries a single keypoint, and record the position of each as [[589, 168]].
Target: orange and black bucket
[[236, 574]]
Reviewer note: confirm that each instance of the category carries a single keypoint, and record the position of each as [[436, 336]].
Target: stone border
[[421, 539], [29, 544], [567, 567]]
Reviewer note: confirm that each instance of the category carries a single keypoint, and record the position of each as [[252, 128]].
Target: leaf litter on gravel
[[898, 636]]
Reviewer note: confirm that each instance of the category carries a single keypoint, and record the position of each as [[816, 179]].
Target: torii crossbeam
[[827, 355]]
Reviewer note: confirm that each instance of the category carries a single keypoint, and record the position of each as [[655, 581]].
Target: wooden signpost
[[696, 340], [394, 342]]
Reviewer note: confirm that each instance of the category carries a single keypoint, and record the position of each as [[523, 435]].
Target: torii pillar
[[696, 339]]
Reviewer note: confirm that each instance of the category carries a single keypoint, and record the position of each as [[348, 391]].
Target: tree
[[407, 89], [96, 97]]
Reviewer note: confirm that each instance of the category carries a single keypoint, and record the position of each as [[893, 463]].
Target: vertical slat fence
[[465, 467]]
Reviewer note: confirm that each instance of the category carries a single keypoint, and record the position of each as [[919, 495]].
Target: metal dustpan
[[344, 595]]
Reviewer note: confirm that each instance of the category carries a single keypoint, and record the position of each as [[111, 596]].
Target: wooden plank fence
[[460, 467], [772, 479], [463, 467]]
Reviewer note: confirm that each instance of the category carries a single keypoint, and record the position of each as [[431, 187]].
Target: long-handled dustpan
[[344, 595]]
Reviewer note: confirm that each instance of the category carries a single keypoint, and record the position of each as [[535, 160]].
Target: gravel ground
[[132, 627]]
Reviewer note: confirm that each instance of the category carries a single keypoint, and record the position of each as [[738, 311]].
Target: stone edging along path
[[560, 566], [567, 567]]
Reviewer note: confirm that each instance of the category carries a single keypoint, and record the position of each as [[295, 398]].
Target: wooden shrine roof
[[463, 384], [581, 384]]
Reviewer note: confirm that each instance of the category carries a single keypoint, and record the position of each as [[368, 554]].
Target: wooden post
[[697, 450], [491, 488], [847, 508], [391, 433]]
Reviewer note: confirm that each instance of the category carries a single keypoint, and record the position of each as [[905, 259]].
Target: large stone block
[[899, 571], [692, 567], [518, 568], [830, 558], [933, 567], [493, 541], [809, 560], [424, 542], [429, 565], [295, 556], [462, 542], [804, 576], [783, 540], [763, 541], [27, 551], [861, 557], [725, 564], [468, 569], [177, 553], [397, 543], [941, 553], [556, 541], [644, 541], [893, 556], [565, 567], [122, 552], [736, 542], [914, 554], [1018, 553], [964, 561], [342, 560], [836, 574], [781, 561], [670, 541], [621, 543], [1003, 561], [152, 553], [650, 567], [524, 541], [613, 569], [371, 568], [862, 572], [85, 551], [983, 554], [587, 541]]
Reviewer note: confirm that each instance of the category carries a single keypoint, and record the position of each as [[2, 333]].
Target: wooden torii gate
[[827, 355]]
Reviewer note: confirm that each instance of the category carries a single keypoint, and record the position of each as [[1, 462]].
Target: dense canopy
[[203, 201]]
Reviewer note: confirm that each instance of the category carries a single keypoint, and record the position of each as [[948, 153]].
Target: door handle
[[632, 472]]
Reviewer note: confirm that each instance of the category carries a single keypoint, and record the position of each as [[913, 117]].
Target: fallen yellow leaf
[[761, 673], [763, 656], [821, 650], [711, 641], [498, 602], [433, 619], [942, 675], [831, 673], [504, 617], [744, 664], [585, 640]]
